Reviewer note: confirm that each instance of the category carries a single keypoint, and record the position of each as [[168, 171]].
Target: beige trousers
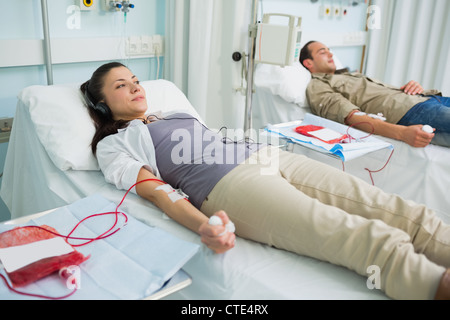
[[294, 203]]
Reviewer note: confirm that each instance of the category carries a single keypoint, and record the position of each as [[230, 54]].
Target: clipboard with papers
[[352, 143], [138, 262]]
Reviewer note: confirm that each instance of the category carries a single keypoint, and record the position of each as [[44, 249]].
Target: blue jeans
[[434, 112]]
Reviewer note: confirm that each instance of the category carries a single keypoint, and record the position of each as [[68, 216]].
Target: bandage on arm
[[181, 211], [173, 194]]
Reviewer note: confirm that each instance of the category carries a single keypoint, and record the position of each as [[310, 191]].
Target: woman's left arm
[[186, 214]]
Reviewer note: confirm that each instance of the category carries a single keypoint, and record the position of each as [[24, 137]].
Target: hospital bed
[[419, 174], [49, 165]]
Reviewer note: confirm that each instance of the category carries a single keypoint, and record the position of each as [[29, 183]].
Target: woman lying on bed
[[303, 206]]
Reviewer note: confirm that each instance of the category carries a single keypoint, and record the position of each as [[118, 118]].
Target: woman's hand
[[216, 237]]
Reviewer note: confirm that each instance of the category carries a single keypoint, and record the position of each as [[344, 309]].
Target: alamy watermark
[[373, 18], [74, 19], [199, 146], [374, 278]]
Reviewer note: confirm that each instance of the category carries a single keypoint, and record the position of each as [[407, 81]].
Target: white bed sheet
[[419, 174], [268, 108], [32, 183]]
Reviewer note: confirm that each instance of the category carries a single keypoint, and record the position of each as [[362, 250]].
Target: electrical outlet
[[87, 5], [5, 129], [6, 124], [328, 11], [158, 46], [134, 45], [355, 38], [146, 45], [337, 11], [344, 11], [325, 11]]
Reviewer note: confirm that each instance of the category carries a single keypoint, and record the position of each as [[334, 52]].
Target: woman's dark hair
[[306, 53], [100, 113]]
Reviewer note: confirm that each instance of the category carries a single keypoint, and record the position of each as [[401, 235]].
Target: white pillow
[[65, 129], [289, 82]]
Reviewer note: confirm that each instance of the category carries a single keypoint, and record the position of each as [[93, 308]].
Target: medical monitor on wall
[[276, 43]]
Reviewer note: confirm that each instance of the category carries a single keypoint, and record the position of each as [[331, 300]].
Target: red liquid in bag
[[44, 267]]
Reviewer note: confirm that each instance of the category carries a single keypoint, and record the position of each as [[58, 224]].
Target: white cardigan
[[122, 155]]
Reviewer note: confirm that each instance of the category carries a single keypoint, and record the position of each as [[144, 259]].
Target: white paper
[[362, 144], [14, 258], [326, 134]]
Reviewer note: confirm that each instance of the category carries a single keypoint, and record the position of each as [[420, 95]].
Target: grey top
[[193, 158]]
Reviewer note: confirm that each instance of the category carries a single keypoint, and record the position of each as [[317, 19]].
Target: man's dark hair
[[306, 53]]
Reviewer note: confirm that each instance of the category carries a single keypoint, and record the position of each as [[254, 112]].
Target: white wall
[[336, 32], [21, 22]]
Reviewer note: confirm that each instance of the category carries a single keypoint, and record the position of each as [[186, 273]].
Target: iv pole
[[251, 68], [47, 49]]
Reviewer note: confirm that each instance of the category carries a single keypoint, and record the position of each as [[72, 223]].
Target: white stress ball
[[427, 128], [230, 227], [216, 221]]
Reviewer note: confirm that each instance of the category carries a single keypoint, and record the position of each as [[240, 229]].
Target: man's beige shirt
[[335, 96]]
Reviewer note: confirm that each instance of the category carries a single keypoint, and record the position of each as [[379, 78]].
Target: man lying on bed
[[355, 100]]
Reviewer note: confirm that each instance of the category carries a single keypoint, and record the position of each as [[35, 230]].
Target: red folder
[[308, 130]]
